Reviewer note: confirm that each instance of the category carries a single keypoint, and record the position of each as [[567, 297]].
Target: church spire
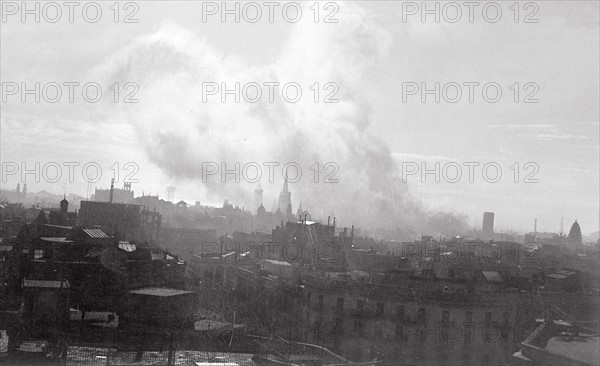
[[285, 183], [285, 197]]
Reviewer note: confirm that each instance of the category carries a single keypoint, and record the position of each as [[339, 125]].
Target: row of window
[[400, 311]]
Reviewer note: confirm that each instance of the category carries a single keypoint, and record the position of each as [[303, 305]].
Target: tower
[[258, 196], [487, 228], [285, 197], [574, 238], [170, 193], [112, 189], [64, 206]]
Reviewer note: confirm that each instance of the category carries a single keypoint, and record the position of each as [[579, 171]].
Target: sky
[[375, 136]]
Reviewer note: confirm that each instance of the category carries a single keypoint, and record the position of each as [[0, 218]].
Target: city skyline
[[371, 134], [477, 227]]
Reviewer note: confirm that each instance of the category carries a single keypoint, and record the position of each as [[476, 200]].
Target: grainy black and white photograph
[[300, 183]]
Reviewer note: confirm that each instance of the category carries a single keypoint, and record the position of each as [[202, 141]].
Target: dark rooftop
[[157, 291]]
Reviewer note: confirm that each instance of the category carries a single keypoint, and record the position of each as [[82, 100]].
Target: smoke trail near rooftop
[[180, 132]]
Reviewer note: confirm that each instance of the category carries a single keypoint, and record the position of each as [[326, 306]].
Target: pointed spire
[[285, 183]]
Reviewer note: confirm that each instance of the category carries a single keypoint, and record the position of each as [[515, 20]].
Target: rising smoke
[[180, 132]]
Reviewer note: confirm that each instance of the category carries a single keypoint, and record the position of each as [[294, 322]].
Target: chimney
[[352, 232], [25, 189], [562, 226], [112, 187], [18, 187], [328, 218]]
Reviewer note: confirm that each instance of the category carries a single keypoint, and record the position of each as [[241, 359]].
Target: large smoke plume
[[180, 132]]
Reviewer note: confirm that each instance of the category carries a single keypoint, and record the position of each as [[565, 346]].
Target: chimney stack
[[562, 226], [112, 187]]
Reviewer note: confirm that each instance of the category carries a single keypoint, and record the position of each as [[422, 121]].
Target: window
[[400, 312], [360, 306], [468, 325], [379, 311], [445, 317], [399, 332], [488, 327], [421, 316], [338, 328], [358, 327], [445, 323], [38, 254], [340, 306], [469, 316]]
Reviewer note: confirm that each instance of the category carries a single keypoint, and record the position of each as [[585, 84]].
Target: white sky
[[559, 134]]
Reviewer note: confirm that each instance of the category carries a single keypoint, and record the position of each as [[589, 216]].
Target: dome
[[575, 233], [261, 210]]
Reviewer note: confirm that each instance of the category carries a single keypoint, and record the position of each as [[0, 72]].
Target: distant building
[[574, 237], [129, 220], [124, 195], [285, 198], [487, 228], [258, 197]]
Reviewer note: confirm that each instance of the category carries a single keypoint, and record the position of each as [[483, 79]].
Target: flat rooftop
[[158, 291], [584, 348]]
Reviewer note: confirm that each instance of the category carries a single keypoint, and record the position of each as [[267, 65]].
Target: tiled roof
[[95, 233], [492, 276], [126, 246]]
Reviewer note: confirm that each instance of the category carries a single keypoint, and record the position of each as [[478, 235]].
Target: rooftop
[[584, 348], [560, 343], [95, 233], [157, 291]]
